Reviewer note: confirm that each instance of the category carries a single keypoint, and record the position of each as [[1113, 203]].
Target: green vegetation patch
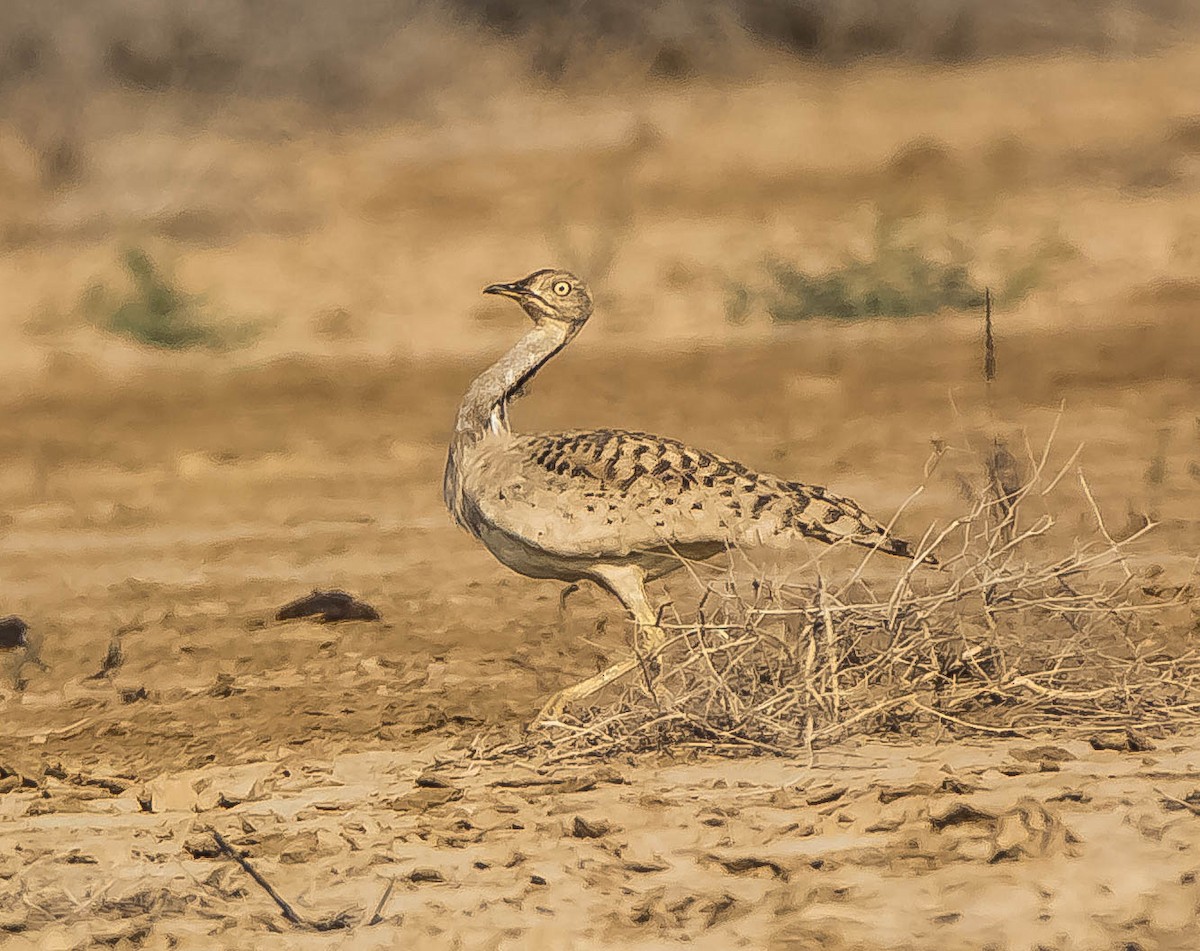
[[896, 280], [904, 284], [157, 313], [899, 277]]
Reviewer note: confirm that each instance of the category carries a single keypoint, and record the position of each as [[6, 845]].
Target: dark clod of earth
[[590, 829], [328, 607], [12, 632], [1128, 742]]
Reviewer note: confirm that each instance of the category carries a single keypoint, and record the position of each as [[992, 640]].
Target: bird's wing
[[609, 493]]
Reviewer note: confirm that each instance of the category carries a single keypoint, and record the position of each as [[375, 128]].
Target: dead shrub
[[1010, 635]]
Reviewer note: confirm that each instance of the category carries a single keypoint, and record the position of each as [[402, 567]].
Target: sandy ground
[[1004, 844], [172, 517], [157, 509]]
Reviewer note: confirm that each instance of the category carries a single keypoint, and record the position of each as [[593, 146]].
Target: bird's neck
[[483, 408]]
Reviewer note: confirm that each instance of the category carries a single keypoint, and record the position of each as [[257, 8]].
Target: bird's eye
[[562, 288]]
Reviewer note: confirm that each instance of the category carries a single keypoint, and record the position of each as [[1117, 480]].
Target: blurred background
[[242, 244], [342, 178]]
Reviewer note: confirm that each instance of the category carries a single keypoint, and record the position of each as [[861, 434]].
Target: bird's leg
[[554, 707], [627, 583]]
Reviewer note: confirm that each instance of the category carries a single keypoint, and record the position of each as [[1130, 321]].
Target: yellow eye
[[562, 288]]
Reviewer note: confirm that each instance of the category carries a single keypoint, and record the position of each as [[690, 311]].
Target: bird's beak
[[514, 291]]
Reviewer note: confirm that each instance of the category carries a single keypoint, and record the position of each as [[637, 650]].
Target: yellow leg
[[628, 583]]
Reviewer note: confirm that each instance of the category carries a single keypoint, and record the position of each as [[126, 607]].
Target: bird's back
[[612, 495]]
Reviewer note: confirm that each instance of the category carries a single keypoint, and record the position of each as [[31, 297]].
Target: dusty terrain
[[173, 517], [156, 510], [960, 846]]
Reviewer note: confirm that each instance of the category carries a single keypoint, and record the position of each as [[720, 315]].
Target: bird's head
[[550, 295]]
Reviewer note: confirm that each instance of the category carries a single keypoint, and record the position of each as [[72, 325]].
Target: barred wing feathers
[[612, 493]]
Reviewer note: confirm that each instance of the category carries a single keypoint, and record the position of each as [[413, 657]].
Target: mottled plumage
[[612, 506], [626, 496]]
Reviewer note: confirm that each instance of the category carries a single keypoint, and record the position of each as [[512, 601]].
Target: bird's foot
[[557, 705], [551, 710]]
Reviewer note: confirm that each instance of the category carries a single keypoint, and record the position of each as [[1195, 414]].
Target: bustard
[[614, 507]]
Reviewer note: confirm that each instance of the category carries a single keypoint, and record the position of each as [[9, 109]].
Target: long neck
[[484, 404], [483, 407]]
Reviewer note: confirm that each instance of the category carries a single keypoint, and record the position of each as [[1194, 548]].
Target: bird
[[615, 507]]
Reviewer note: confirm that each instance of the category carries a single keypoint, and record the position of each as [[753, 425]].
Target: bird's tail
[[891, 545], [831, 518]]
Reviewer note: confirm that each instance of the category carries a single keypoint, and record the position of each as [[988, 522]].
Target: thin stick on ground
[[377, 916], [286, 909], [1182, 803]]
